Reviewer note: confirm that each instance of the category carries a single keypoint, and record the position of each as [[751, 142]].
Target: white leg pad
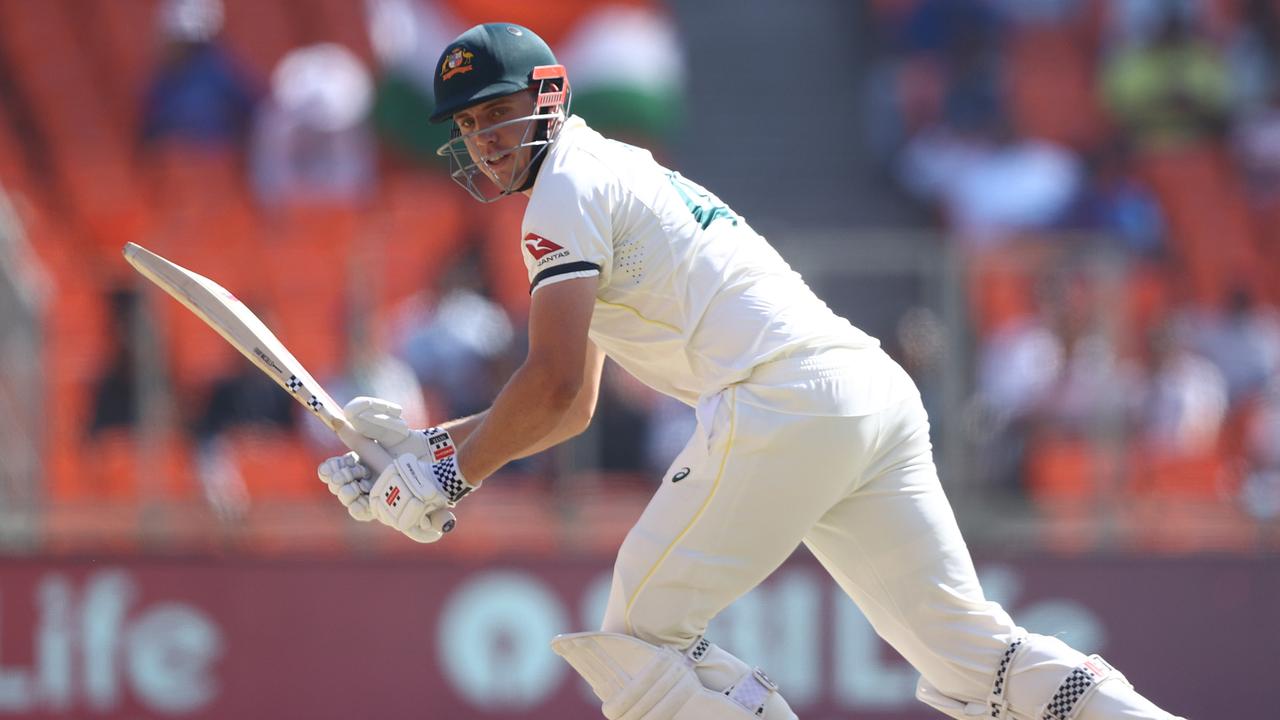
[[1041, 678], [638, 681], [725, 673]]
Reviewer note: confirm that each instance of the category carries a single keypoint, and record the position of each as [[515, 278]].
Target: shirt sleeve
[[567, 230]]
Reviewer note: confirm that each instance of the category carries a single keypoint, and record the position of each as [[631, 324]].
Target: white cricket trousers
[[863, 494]]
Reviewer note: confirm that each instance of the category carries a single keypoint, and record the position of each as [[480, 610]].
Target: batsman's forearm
[[529, 409], [462, 428]]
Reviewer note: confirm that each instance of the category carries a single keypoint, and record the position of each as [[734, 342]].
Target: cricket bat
[[220, 310]]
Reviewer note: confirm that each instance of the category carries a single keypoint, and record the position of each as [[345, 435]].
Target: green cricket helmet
[[485, 63]]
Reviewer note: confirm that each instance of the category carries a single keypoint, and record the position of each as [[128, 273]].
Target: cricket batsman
[[807, 432]]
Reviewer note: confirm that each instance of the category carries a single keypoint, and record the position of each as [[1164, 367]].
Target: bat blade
[[237, 324]]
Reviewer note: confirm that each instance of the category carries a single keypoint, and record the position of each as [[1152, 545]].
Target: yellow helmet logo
[[456, 62]]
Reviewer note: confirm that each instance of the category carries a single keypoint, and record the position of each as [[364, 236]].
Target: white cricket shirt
[[691, 299]]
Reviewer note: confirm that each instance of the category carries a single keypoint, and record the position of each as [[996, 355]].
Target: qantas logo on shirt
[[539, 246]]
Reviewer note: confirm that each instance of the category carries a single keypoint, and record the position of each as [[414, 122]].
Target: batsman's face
[[496, 133]]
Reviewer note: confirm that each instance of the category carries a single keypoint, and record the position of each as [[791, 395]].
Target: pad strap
[[698, 651], [997, 700], [1073, 691], [751, 690]]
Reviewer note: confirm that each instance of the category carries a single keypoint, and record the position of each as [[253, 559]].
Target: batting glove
[[350, 482], [380, 420], [409, 490]]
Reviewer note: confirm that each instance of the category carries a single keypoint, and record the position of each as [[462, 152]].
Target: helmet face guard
[[551, 108]]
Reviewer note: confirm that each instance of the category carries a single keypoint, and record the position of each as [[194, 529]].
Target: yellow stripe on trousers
[[733, 418]]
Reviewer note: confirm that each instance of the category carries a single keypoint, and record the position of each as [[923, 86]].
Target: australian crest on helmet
[[456, 62]]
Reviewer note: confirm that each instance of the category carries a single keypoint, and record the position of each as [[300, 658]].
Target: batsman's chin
[[505, 171]]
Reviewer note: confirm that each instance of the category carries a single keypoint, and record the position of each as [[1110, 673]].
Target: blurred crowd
[[1109, 171], [281, 147]]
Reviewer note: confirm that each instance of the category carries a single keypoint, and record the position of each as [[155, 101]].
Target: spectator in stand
[[1017, 367], [1041, 12], [406, 36], [246, 398], [311, 139], [941, 74], [199, 93], [629, 72], [1116, 203], [920, 346], [1095, 389], [371, 367], [1260, 491], [460, 346], [964, 40], [1242, 341], [115, 396], [992, 184], [1128, 23], [1256, 144], [1186, 403], [1253, 56], [1171, 90]]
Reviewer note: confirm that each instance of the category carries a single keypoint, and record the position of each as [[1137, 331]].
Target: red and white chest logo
[[538, 246]]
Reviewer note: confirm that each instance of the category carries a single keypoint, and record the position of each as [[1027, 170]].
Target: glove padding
[[380, 420], [409, 490], [350, 482], [424, 477]]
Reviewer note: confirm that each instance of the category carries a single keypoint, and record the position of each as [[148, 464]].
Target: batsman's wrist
[[443, 456]]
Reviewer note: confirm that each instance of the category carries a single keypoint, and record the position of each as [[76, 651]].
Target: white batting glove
[[409, 490], [380, 420], [424, 477], [350, 482]]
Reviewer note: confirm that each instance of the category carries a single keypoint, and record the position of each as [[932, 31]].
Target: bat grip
[[378, 459]]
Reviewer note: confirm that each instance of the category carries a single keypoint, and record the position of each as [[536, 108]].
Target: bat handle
[[377, 458]]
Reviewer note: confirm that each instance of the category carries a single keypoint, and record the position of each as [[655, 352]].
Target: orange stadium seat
[[892, 9], [76, 346], [1203, 475], [1149, 298], [1211, 232], [125, 466], [276, 465], [1063, 469], [307, 258], [53, 71], [1266, 222], [203, 223], [260, 32], [1068, 480], [13, 167], [1186, 502], [420, 232], [552, 20], [503, 262], [1002, 283], [193, 181], [342, 22], [1051, 93], [124, 52], [108, 202]]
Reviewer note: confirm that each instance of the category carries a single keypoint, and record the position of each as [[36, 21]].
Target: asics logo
[[538, 246]]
